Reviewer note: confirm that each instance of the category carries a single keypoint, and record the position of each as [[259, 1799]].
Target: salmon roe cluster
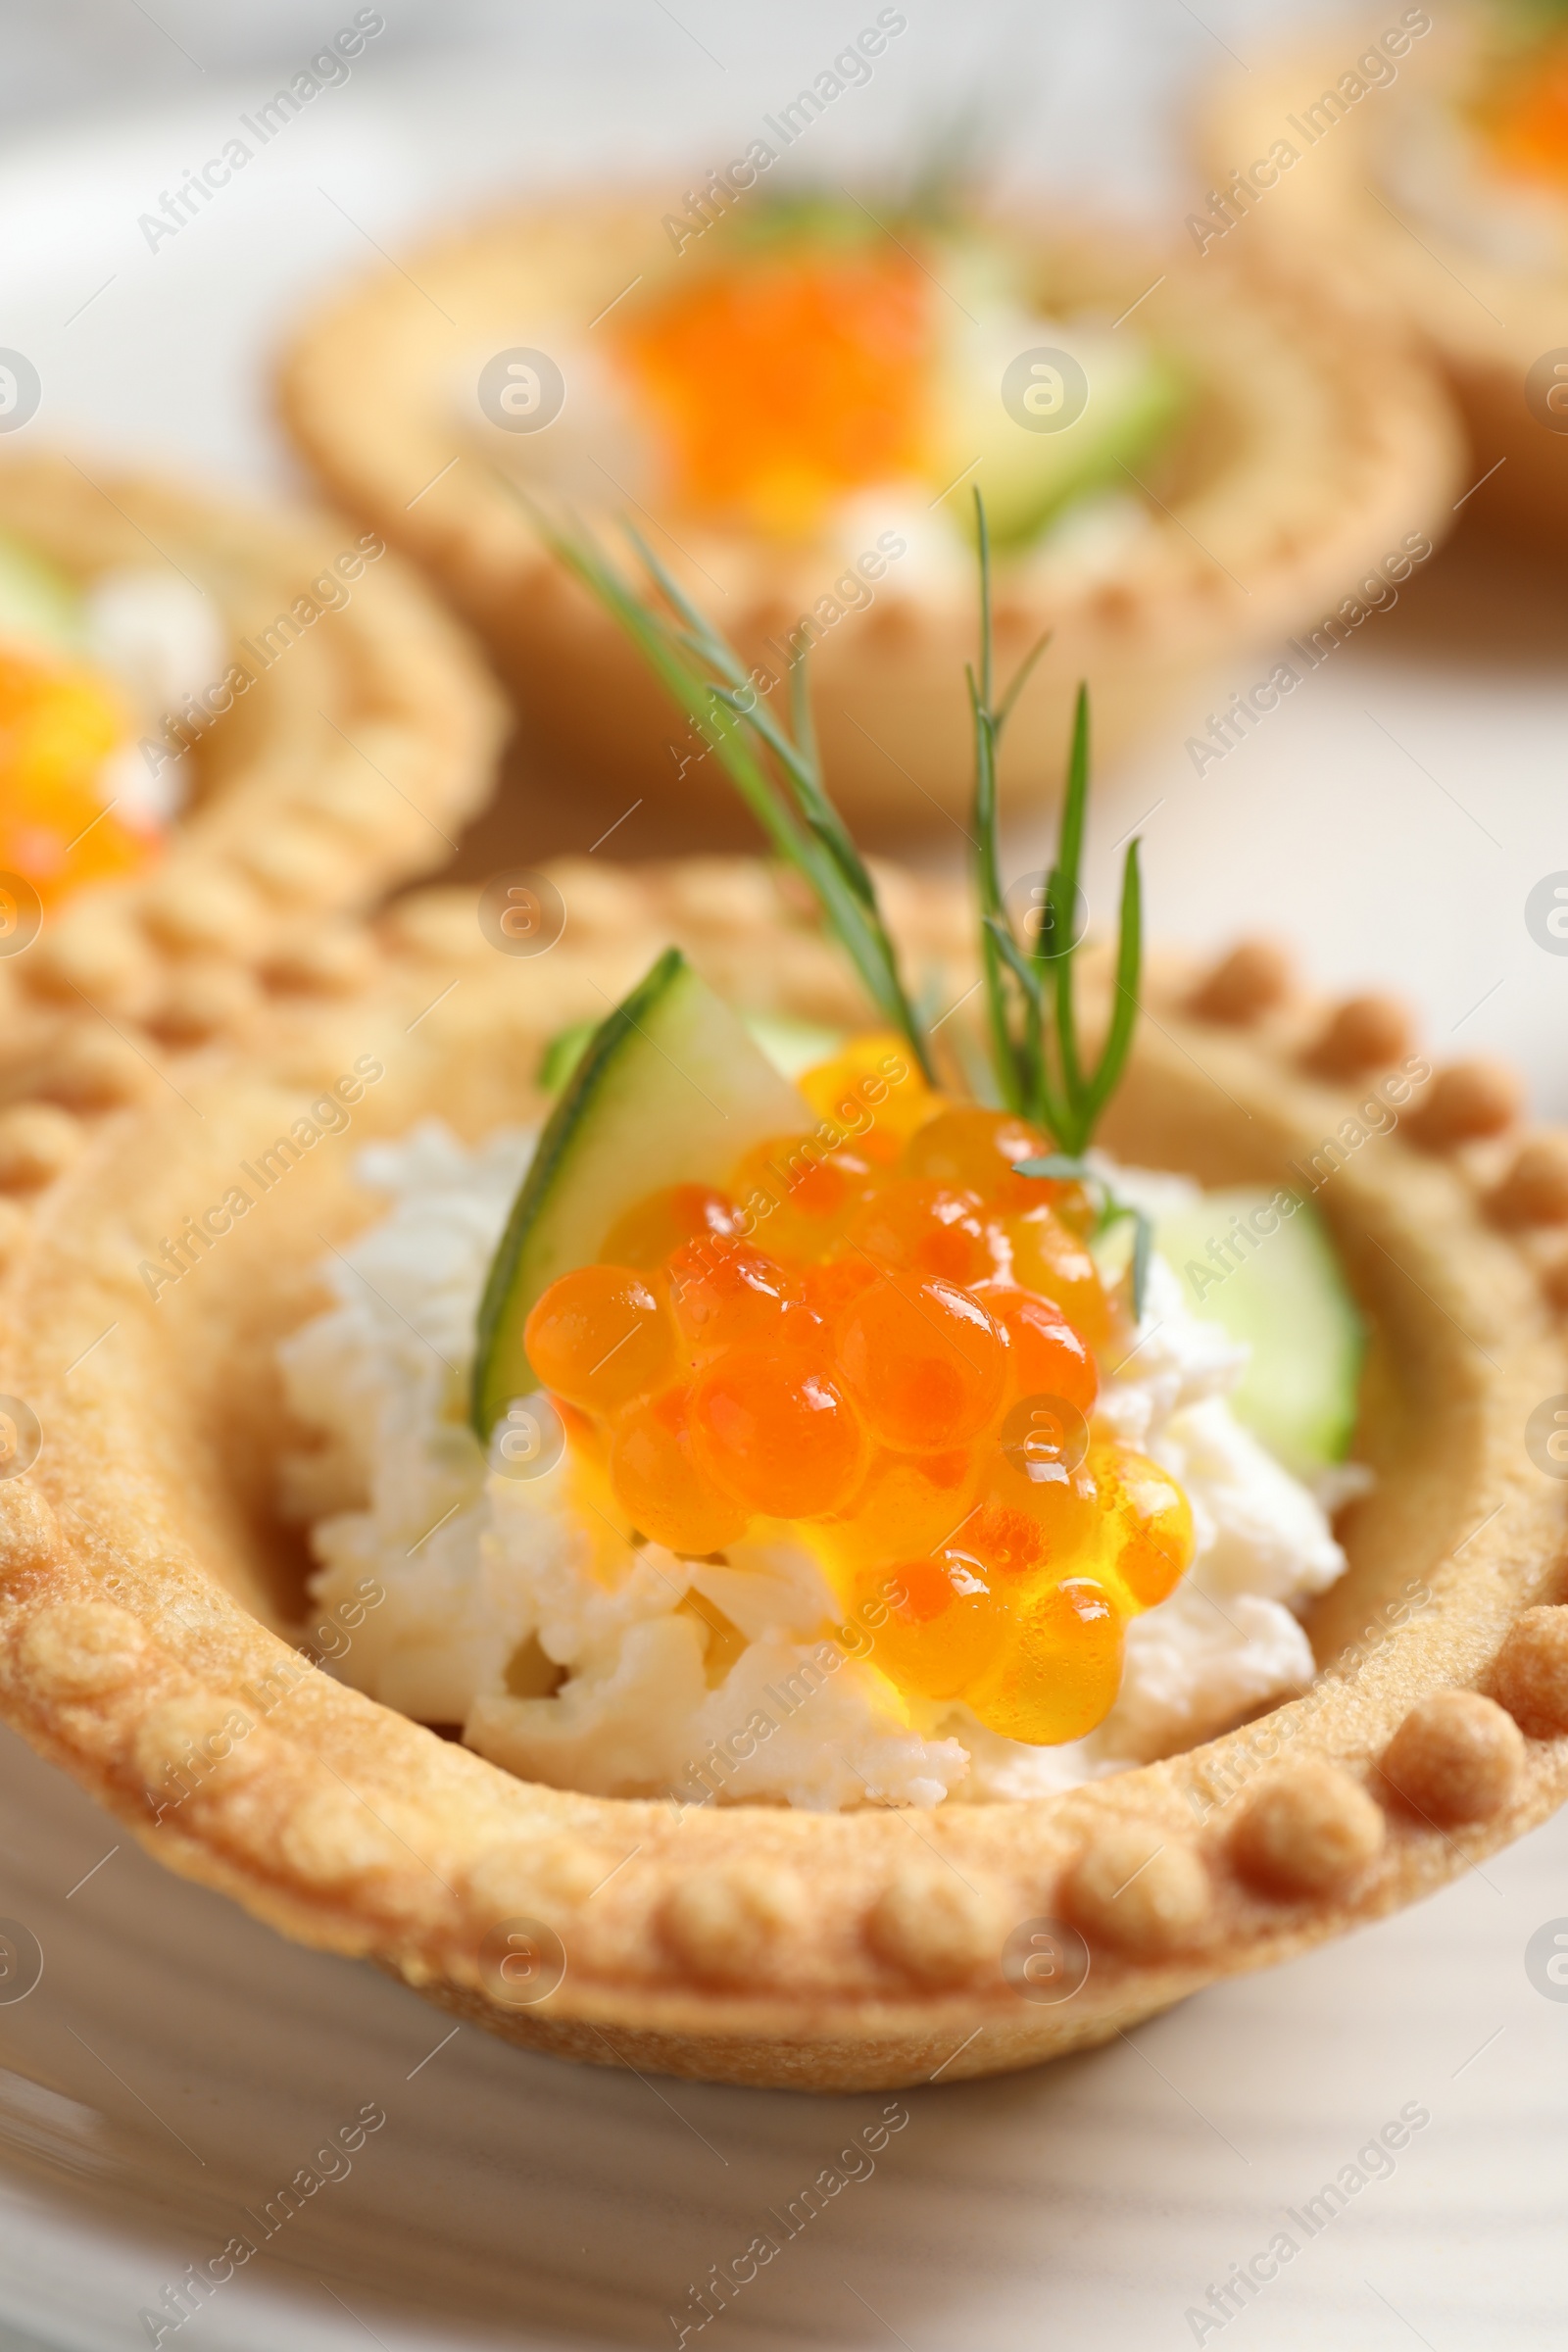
[[1522, 111], [58, 723], [785, 381], [881, 1332]]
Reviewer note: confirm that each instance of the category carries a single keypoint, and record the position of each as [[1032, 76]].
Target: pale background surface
[[510, 2199]]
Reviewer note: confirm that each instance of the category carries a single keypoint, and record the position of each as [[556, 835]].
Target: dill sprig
[[1031, 1012], [1038, 1064], [783, 788]]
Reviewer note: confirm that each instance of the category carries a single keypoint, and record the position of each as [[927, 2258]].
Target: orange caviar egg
[[1056, 1497], [873, 1093], [1060, 1673], [830, 1289], [1036, 1530], [932, 1229], [776, 1432], [654, 1226], [1151, 1518], [1048, 1256], [723, 1294], [881, 1148], [1046, 1356], [943, 1628], [786, 380], [655, 1474], [598, 1337], [976, 1148], [798, 1195], [923, 1361], [905, 1505]]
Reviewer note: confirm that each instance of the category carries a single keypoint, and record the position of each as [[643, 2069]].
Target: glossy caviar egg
[[658, 1484], [1151, 1517], [598, 1335], [1059, 1675], [906, 1505], [1002, 1542], [975, 1149], [932, 1229], [880, 1147], [980, 1150], [795, 1196], [1046, 1356], [776, 1431], [873, 1093], [1058, 1500], [938, 1626], [830, 1289], [723, 1294], [1048, 1256], [923, 1361], [660, 1221]]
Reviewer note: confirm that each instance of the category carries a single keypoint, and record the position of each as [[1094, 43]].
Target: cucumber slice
[[36, 600], [1134, 397], [669, 1090], [791, 1046], [1289, 1300]]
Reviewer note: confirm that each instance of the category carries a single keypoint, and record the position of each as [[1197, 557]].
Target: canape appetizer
[[804, 396], [748, 1473], [859, 1355], [1433, 166], [218, 734]]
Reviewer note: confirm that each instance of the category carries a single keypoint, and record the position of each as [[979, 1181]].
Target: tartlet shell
[[1484, 322], [1319, 442], [144, 1592], [349, 766]]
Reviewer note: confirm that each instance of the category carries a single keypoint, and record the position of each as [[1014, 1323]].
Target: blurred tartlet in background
[[792, 395], [220, 731], [1427, 168]]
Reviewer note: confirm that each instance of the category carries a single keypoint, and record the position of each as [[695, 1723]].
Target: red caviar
[[1522, 111], [59, 724], [977, 1149], [599, 1337], [787, 380], [923, 1361], [932, 1229], [882, 1334], [723, 1294], [777, 1431], [660, 1221], [657, 1478]]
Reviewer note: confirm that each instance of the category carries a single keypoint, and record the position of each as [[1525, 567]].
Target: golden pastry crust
[[348, 767], [1486, 320], [1316, 444], [146, 1593]]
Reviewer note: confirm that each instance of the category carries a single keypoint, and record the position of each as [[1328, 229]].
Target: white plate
[[176, 2064]]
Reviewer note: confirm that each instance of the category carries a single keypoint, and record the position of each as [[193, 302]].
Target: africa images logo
[[1547, 1959]]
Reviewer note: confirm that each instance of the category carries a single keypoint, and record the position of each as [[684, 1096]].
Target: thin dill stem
[[792, 807]]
